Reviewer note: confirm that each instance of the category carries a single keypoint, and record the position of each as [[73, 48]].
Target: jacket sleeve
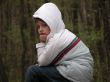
[[46, 53], [40, 47]]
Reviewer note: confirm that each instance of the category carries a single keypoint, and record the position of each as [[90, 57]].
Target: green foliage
[[14, 34]]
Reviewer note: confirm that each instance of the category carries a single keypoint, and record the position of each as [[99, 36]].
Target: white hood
[[50, 14]]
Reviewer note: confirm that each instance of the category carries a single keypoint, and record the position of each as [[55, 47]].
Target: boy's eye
[[44, 24], [38, 26]]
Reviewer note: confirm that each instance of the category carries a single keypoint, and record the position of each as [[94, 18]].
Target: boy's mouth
[[42, 34]]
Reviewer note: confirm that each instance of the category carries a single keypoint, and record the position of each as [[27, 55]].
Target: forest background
[[88, 19]]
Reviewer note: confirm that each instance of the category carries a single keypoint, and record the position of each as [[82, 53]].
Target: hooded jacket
[[63, 49]]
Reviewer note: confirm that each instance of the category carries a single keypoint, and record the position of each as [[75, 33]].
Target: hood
[[51, 15]]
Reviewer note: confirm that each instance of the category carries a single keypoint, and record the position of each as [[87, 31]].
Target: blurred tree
[[23, 26], [46, 1], [3, 45], [3, 74]]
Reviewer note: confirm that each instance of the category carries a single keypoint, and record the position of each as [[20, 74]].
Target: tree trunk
[[46, 1], [105, 16], [3, 74], [74, 17], [23, 26]]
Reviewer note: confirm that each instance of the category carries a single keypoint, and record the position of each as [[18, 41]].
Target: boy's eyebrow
[[38, 19]]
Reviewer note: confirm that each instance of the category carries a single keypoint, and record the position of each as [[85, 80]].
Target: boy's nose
[[40, 29]]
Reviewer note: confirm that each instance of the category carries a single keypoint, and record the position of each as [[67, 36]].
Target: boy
[[62, 56]]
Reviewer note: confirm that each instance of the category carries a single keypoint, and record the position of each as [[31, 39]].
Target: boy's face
[[43, 30]]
